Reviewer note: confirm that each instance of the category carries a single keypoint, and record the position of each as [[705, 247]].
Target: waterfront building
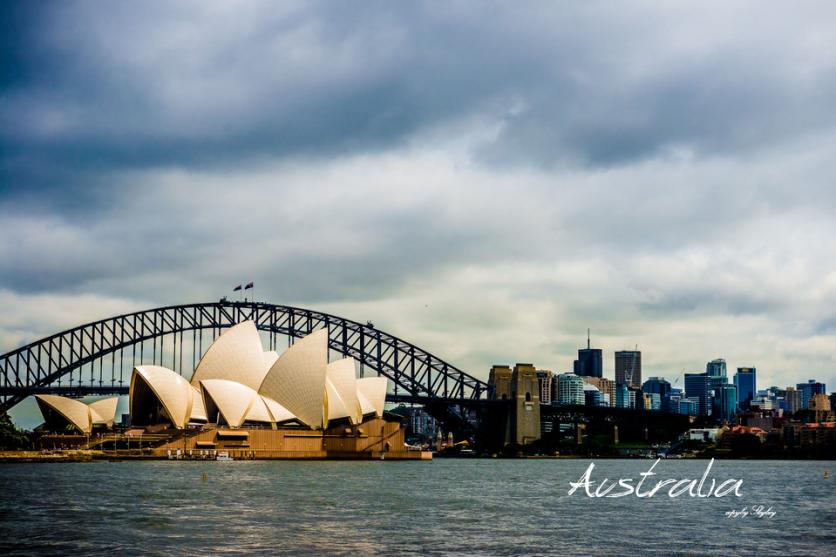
[[606, 386], [545, 378], [809, 390], [68, 414], [570, 389], [658, 385], [628, 368], [716, 368], [622, 396], [590, 361], [746, 382], [421, 423], [257, 404], [698, 386]]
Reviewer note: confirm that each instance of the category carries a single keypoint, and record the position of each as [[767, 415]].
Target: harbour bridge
[[97, 358]]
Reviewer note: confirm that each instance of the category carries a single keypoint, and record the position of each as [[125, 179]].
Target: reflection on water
[[484, 507]]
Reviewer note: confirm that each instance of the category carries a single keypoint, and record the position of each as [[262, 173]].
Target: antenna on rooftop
[[588, 346]]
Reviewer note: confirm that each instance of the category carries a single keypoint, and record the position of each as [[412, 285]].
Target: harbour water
[[459, 507]]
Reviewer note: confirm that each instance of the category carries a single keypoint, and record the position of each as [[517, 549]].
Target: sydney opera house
[[249, 403]]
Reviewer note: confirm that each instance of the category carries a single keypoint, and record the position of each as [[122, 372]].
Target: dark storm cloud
[[519, 173], [87, 88]]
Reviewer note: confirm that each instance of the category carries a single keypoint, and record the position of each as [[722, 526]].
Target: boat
[[223, 456]]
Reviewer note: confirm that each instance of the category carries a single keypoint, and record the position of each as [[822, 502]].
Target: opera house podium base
[[374, 439]]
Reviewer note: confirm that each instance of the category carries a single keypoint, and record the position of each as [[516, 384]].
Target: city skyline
[[485, 183]]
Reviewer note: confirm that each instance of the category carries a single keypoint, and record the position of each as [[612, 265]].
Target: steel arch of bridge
[[38, 366]]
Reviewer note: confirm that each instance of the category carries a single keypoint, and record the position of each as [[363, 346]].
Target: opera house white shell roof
[[75, 412], [237, 382]]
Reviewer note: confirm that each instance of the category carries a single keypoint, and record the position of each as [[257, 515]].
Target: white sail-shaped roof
[[236, 355], [258, 411], [173, 391], [104, 411], [270, 359], [278, 412], [342, 385], [232, 399], [373, 389], [366, 407], [297, 379], [74, 411], [334, 405], [198, 407]]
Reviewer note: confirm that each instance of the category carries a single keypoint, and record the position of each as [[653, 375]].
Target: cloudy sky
[[484, 180]]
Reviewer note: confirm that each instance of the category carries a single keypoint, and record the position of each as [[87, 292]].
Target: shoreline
[[99, 456]]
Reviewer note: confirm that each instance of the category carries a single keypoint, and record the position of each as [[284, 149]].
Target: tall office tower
[[746, 382], [808, 390], [545, 378], [570, 389], [657, 385], [628, 368], [698, 386], [792, 400], [724, 401], [590, 362], [622, 396], [716, 368]]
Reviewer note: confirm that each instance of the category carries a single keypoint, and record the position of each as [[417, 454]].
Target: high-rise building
[[724, 401], [698, 386], [792, 400], [570, 389], [657, 385], [628, 368], [592, 396], [716, 368], [606, 386], [808, 390], [622, 396], [545, 378], [746, 382], [652, 401], [590, 362]]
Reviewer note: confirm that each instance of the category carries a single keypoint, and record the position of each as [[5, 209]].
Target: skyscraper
[[590, 361], [746, 382], [628, 368], [570, 389], [659, 386], [724, 401], [545, 379], [808, 390], [698, 386], [716, 368]]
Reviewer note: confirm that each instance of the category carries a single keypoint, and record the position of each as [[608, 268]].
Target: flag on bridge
[[237, 288], [249, 285]]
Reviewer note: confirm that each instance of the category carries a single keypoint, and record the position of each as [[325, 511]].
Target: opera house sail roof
[[236, 382], [59, 411]]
